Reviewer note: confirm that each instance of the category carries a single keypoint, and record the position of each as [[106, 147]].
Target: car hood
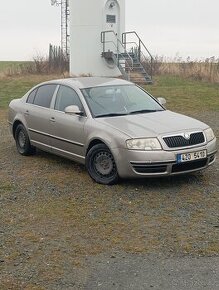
[[153, 124]]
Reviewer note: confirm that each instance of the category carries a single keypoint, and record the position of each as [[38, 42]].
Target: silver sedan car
[[112, 126]]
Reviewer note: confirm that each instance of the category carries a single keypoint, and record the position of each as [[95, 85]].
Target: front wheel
[[101, 165], [23, 142]]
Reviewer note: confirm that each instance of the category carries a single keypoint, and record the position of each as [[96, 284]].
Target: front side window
[[44, 95], [67, 97], [119, 100]]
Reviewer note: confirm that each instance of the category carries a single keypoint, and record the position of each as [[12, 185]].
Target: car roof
[[88, 82]]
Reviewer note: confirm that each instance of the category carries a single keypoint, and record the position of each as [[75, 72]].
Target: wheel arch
[[94, 142], [15, 125]]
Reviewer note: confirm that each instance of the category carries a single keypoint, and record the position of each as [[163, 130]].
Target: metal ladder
[[128, 55]]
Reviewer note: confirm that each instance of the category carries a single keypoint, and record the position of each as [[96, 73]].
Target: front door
[[68, 130]]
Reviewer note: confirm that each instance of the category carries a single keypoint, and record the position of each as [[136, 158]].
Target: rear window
[[44, 95], [31, 96]]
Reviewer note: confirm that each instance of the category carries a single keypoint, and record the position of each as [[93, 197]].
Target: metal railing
[[138, 48], [123, 58]]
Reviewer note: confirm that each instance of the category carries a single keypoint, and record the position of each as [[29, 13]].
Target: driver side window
[[67, 97]]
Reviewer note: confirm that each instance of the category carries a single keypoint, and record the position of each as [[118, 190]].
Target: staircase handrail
[[103, 40], [140, 41], [139, 47], [142, 54]]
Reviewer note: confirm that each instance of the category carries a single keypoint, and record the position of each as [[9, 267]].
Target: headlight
[[209, 134], [146, 144]]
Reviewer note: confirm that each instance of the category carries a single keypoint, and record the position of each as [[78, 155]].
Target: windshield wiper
[[144, 111], [110, 115]]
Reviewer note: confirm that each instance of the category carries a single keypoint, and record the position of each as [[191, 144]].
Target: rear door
[[38, 115]]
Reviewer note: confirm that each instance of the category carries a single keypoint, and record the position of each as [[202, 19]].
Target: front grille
[[192, 165], [180, 141]]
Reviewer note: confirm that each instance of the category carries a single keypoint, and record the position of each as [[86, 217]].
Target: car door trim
[[67, 152], [57, 138]]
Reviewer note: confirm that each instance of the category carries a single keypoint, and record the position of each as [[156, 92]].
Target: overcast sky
[[168, 27]]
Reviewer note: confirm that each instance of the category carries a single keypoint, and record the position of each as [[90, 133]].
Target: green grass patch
[[185, 95], [182, 95], [13, 88], [16, 87]]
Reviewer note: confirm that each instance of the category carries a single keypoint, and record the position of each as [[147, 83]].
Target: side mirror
[[73, 110], [162, 101]]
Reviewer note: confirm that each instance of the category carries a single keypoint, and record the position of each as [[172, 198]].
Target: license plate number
[[185, 157]]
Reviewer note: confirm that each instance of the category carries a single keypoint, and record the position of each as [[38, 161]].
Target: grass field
[[182, 95], [16, 87], [186, 95], [7, 65]]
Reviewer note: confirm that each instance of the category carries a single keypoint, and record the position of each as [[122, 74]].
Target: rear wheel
[[101, 165], [23, 142]]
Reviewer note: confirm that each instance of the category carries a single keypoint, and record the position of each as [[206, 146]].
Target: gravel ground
[[151, 272], [60, 230]]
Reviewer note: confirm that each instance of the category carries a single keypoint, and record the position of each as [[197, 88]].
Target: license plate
[[185, 157]]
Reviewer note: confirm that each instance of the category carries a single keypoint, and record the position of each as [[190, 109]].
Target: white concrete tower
[[88, 18]]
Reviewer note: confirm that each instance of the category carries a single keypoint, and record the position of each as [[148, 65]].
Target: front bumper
[[131, 163]]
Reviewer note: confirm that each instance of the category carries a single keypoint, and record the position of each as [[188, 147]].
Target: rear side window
[[31, 96], [44, 95]]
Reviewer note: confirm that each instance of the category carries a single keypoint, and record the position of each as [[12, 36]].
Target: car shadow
[[167, 182], [191, 178]]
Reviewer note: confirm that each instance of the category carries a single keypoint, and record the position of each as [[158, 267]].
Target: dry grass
[[207, 70], [39, 65], [193, 70]]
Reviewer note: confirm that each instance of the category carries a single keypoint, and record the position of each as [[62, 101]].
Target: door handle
[[52, 119]]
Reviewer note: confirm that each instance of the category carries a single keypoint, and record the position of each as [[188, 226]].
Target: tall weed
[[207, 70]]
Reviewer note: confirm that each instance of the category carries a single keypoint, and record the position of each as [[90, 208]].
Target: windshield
[[119, 100]]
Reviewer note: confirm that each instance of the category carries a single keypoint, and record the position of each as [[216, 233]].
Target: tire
[[101, 165], [23, 142]]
